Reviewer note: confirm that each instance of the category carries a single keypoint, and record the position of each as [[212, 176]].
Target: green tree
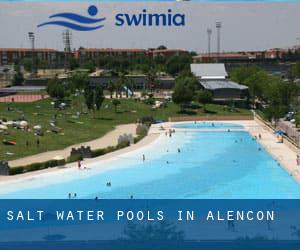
[[116, 103], [151, 79], [79, 80], [89, 65], [18, 76], [184, 91], [74, 64], [204, 97], [111, 88], [56, 89], [28, 64], [177, 64], [94, 98]]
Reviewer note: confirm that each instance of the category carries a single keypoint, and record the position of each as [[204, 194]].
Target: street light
[[32, 39]]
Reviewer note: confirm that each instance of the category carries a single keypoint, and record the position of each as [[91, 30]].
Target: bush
[[36, 166], [123, 144], [98, 152], [74, 157], [147, 119], [16, 170]]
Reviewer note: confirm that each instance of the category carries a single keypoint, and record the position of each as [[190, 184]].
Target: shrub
[[98, 152], [36, 166], [74, 157], [147, 119], [123, 144], [16, 170]]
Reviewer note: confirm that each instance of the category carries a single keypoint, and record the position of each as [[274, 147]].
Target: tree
[[111, 88], [55, 89], [89, 65], [177, 64], [204, 97], [116, 103], [74, 64], [18, 77], [161, 47], [79, 80], [151, 79], [28, 64], [184, 91], [94, 98]]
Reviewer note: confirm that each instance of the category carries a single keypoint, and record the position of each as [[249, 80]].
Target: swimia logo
[[75, 21], [88, 23]]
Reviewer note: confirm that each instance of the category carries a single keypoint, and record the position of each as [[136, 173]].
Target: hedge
[[36, 166]]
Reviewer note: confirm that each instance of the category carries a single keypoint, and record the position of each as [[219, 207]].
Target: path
[[109, 139]]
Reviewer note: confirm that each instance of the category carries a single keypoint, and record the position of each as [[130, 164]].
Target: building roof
[[168, 50], [209, 70], [221, 84], [26, 50], [110, 50]]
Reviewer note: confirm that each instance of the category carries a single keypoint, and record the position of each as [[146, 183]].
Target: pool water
[[208, 125], [209, 165]]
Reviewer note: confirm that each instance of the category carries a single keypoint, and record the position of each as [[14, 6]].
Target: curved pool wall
[[209, 165]]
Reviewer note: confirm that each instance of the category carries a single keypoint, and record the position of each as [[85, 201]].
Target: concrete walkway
[[109, 139]]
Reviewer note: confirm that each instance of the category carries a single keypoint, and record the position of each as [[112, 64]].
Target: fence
[[211, 118]]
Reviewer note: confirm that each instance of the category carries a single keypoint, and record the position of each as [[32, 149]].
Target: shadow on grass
[[104, 118], [187, 112]]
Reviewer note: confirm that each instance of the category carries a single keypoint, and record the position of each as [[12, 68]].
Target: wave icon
[[80, 21]]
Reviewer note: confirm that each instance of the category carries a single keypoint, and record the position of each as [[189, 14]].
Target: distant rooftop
[[221, 84], [209, 70]]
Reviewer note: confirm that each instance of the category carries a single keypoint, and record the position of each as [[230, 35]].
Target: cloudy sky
[[246, 26]]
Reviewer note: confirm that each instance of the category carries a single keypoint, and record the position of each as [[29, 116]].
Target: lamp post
[[218, 26], [209, 31], [32, 40]]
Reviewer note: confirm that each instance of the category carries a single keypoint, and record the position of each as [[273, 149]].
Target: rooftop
[[209, 70], [221, 84]]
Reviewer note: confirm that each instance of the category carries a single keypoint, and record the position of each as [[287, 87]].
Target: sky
[[245, 26]]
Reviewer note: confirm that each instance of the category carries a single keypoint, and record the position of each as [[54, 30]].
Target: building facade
[[12, 55]]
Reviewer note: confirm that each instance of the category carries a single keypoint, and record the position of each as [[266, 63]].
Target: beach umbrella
[[279, 132], [37, 127], [23, 124], [3, 127]]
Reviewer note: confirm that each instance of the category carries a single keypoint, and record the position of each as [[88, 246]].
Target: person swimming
[[178, 150]]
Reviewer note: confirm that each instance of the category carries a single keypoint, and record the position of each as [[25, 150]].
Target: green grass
[[83, 129]]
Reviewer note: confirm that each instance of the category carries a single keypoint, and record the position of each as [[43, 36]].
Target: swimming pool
[[208, 125], [209, 165]]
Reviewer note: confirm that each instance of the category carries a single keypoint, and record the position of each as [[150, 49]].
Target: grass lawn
[[84, 128]]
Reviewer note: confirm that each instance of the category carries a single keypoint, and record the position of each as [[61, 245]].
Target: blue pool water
[[208, 125], [210, 165]]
